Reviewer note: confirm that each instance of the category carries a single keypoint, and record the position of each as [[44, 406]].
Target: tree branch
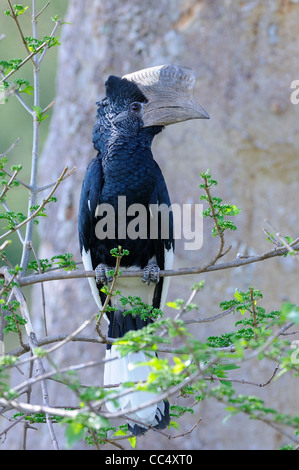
[[36, 212], [33, 342], [15, 17], [24, 61], [237, 263]]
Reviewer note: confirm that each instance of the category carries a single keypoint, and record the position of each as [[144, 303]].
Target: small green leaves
[[176, 304], [132, 441], [290, 312], [206, 176], [64, 261], [238, 296], [74, 432], [13, 218], [255, 325], [6, 180], [217, 210], [7, 360], [55, 18], [13, 322], [39, 113], [119, 252], [220, 371], [9, 65], [78, 426], [139, 308], [18, 10], [24, 86], [35, 44]]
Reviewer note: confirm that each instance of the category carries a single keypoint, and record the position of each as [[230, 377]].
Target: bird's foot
[[102, 274], [151, 273]]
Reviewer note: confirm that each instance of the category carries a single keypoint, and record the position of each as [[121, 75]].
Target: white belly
[[133, 286]]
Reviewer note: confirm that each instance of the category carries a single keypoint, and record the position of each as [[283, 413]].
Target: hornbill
[[135, 109]]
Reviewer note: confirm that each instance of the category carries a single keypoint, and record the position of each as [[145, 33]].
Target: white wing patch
[[168, 262], [86, 258]]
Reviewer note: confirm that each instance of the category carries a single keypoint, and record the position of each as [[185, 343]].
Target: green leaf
[[238, 296], [290, 312], [28, 89], [229, 366], [74, 432], [132, 441], [294, 316], [172, 305], [231, 210], [19, 9], [39, 113], [120, 432], [174, 424]]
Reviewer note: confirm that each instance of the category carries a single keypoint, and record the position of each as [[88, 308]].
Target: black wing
[[164, 247], [90, 194]]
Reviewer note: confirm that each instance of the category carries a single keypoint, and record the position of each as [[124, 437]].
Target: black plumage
[[126, 123]]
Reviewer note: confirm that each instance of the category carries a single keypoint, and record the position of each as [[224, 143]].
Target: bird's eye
[[135, 107]]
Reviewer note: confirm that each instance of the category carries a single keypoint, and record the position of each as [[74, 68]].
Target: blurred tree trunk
[[242, 55]]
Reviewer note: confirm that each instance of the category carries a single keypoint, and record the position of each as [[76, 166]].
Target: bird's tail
[[121, 369]]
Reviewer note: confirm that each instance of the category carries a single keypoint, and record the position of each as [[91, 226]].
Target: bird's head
[[146, 100]]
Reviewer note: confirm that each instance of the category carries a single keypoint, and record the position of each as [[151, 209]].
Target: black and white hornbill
[[135, 109]]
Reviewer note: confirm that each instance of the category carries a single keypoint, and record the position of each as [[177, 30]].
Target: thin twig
[[212, 318], [238, 262], [55, 339], [10, 148], [13, 90], [42, 10], [253, 312], [32, 337], [50, 185], [24, 61], [15, 17], [8, 428], [57, 25], [46, 109], [36, 212], [19, 233], [187, 432], [8, 184], [282, 240], [16, 179], [42, 288], [108, 297], [243, 381], [29, 408], [215, 219]]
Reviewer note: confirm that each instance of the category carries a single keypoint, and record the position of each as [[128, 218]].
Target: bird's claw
[[102, 276], [151, 273]]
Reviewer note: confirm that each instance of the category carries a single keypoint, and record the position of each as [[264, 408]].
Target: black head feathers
[[122, 89], [120, 93]]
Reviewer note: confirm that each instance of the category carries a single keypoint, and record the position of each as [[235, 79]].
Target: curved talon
[[102, 276], [151, 273]]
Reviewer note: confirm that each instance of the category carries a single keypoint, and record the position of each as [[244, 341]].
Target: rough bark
[[243, 55]]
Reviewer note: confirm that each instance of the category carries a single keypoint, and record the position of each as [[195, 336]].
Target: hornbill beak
[[169, 93]]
